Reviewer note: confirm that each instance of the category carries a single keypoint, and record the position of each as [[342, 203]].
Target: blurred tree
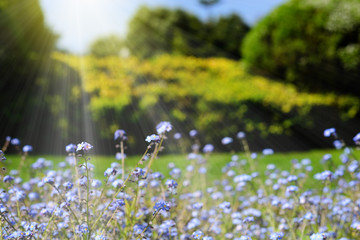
[[309, 43], [107, 46], [157, 31], [25, 47], [209, 2], [227, 36]]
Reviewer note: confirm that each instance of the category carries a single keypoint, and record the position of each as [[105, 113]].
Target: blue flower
[[70, 148], [161, 205], [84, 146], [197, 234], [118, 183], [8, 178], [330, 131], [171, 183], [356, 139], [110, 171], [291, 189], [240, 135], [153, 138], [49, 180], [356, 225], [177, 136], [193, 133], [117, 203], [318, 236], [245, 238], [338, 144], [248, 219], [68, 185], [208, 148], [268, 151], [2, 156], [120, 135], [163, 127], [15, 141], [100, 237], [83, 228], [27, 148], [208, 238], [276, 236], [119, 156], [226, 140]]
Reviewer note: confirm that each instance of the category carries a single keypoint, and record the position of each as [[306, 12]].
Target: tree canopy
[[153, 32], [313, 44], [107, 46], [25, 47]]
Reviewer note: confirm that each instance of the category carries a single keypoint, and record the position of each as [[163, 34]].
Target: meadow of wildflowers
[[68, 202]]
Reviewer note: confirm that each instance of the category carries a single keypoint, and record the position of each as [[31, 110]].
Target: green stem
[[87, 196], [156, 151], [122, 159], [50, 221], [120, 189]]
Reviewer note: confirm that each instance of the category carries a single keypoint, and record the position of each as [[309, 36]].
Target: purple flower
[[118, 183], [100, 237], [161, 205], [68, 185], [2, 156], [208, 148], [110, 171], [84, 146], [318, 236], [49, 180], [268, 151], [177, 136], [226, 140], [153, 138], [119, 156], [276, 236], [83, 228], [116, 204], [171, 183], [291, 189], [338, 144], [197, 234], [120, 135], [330, 131], [8, 178], [245, 238], [27, 148], [240, 135], [357, 138], [193, 133], [163, 127], [15, 141], [70, 148]]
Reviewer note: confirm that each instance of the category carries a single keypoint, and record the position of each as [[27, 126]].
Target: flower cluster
[[244, 203]]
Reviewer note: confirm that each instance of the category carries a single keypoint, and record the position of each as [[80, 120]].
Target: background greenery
[[283, 81], [214, 165]]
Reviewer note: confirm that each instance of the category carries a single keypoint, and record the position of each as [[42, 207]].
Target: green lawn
[[215, 163]]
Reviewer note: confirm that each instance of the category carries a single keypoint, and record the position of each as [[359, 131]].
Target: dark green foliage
[[208, 2], [157, 31], [312, 44], [25, 47], [107, 46], [227, 35]]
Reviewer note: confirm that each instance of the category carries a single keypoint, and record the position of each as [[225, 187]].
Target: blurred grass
[[215, 163]]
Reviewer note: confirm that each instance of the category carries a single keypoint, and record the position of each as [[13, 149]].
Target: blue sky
[[80, 22]]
